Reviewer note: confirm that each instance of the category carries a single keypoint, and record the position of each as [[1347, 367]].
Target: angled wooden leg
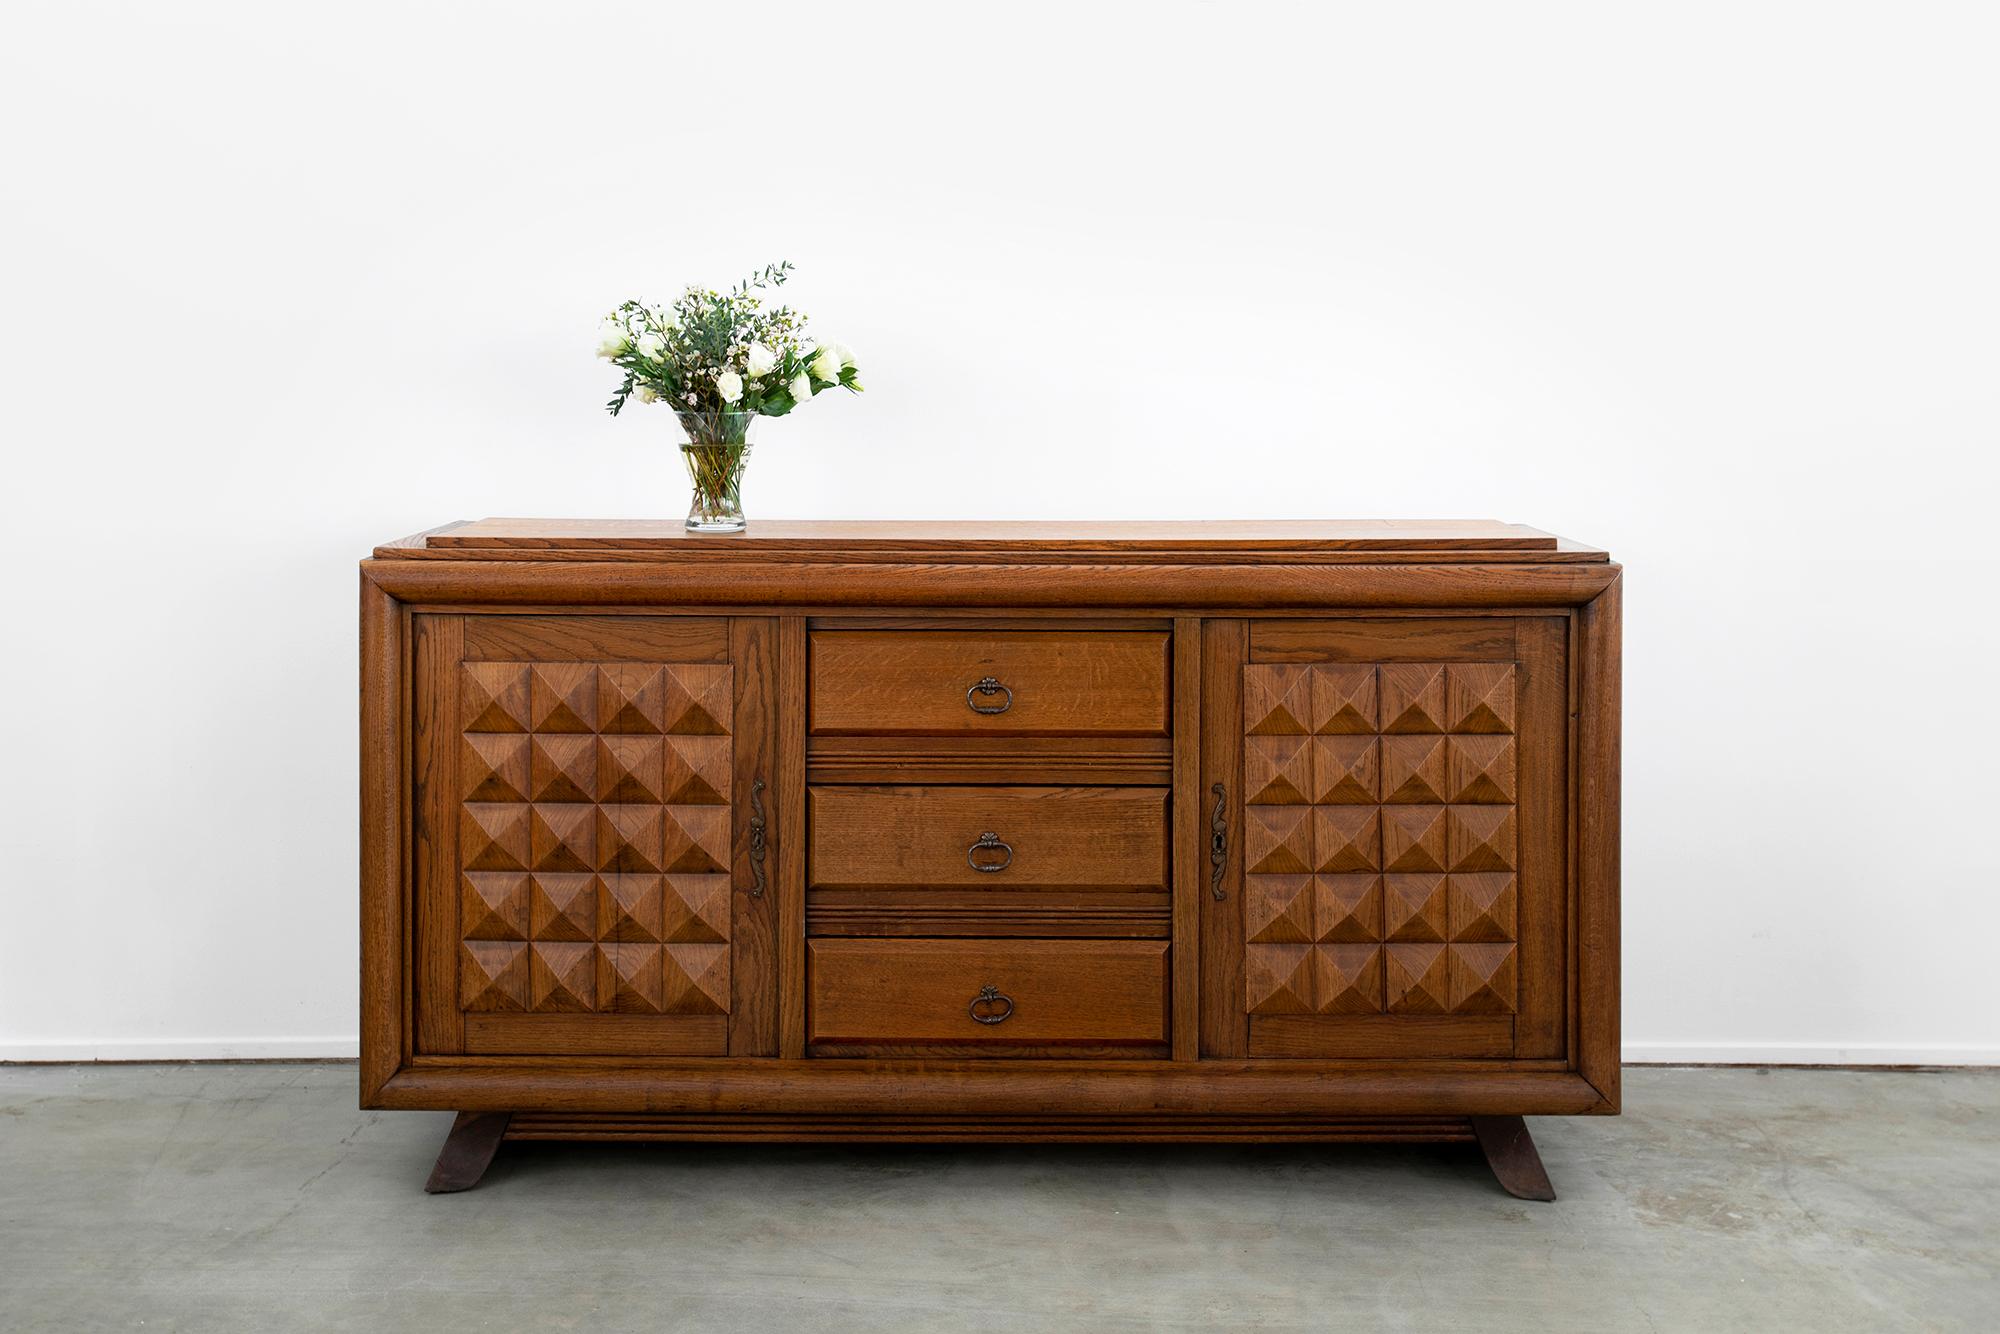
[[1510, 1152], [468, 1151]]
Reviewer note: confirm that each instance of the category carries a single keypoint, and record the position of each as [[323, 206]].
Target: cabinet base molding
[[476, 1136]]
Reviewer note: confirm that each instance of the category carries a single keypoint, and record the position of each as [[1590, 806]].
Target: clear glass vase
[[718, 445]]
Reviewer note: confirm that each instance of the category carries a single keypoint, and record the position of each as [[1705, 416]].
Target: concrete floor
[[255, 1197]]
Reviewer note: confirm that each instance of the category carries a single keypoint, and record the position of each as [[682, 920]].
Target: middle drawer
[[988, 837]]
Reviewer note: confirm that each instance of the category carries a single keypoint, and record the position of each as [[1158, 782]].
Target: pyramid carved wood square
[[1379, 838], [594, 837]]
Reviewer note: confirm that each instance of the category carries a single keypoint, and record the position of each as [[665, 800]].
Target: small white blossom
[[610, 338], [729, 385], [648, 394], [761, 360]]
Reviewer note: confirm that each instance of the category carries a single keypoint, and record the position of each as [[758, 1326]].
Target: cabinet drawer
[[1036, 683], [1030, 837], [1096, 992]]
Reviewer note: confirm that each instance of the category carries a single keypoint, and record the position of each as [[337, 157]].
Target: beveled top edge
[[1046, 540]]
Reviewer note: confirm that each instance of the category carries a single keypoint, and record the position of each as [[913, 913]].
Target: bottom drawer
[[988, 992]]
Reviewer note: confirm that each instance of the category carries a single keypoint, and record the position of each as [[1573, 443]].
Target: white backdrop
[[1711, 285]]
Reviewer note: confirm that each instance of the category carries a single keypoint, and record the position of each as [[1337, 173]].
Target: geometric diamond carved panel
[[595, 837], [1379, 838]]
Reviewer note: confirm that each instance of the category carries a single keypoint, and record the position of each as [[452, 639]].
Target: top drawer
[[1002, 682]]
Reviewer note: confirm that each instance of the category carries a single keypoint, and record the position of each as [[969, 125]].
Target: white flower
[[761, 361], [730, 385], [649, 345], [826, 366], [610, 338], [648, 394], [802, 389]]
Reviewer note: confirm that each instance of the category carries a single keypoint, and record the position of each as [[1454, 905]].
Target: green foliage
[[713, 356]]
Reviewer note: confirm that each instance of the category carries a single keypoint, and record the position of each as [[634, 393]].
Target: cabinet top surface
[[1483, 540]]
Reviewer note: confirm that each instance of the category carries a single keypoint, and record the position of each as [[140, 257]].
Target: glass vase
[[718, 445]]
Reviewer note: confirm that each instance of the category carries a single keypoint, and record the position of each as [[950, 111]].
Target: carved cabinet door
[[1392, 795], [592, 804]]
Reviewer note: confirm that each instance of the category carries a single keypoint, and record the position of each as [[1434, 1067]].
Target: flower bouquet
[[721, 361]]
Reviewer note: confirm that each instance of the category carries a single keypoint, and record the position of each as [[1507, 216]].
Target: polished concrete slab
[[255, 1197]]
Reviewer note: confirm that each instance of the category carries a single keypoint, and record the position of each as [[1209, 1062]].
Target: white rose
[[610, 338], [648, 394], [730, 385], [761, 360], [802, 389], [649, 345], [826, 366]]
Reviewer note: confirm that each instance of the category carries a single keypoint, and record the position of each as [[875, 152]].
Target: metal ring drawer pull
[[982, 1008], [987, 685], [989, 841]]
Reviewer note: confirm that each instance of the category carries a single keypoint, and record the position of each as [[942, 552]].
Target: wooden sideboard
[[990, 832]]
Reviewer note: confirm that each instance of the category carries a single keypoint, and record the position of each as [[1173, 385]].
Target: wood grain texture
[[596, 1035], [1081, 837], [790, 846], [1598, 801], [976, 912], [586, 833], [1190, 837], [433, 964], [1403, 837], [1049, 991], [753, 1015], [1024, 1088], [1489, 763], [985, 1129], [597, 638], [1225, 1028], [385, 804], [1047, 683], [1295, 1036], [1265, 585]]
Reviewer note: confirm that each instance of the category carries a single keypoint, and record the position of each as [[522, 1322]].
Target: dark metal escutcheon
[[989, 841], [757, 838], [982, 1005], [1218, 842], [987, 685]]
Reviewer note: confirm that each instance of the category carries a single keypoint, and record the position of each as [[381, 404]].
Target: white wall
[[1712, 285]]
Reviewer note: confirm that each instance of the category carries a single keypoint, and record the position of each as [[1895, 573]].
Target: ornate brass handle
[[982, 1008], [989, 841], [757, 839], [987, 685]]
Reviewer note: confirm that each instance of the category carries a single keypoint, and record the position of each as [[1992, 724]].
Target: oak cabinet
[[990, 832]]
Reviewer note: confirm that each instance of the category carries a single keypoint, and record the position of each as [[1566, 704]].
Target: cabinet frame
[[408, 579]]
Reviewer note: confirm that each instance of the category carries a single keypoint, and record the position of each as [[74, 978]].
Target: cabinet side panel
[[1225, 1028], [384, 900], [1598, 804], [753, 1019], [439, 644]]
